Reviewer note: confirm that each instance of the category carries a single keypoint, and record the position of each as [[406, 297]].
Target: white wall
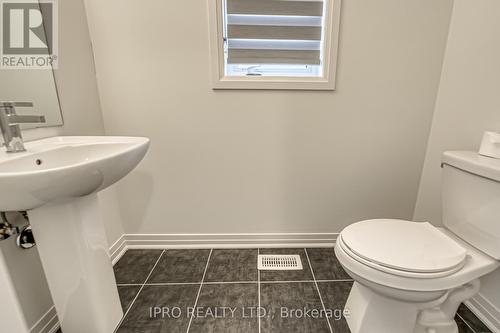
[[81, 112], [268, 161], [468, 104], [255, 161]]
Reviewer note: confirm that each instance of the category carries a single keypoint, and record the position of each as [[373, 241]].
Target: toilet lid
[[404, 245]]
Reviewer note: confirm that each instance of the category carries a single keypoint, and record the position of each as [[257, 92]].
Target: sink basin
[[56, 181], [65, 167]]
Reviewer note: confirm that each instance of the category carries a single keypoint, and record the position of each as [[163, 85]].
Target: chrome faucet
[[9, 125]]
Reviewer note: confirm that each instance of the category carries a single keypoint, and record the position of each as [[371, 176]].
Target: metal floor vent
[[282, 262]]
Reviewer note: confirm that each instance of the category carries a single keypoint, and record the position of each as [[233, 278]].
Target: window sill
[[272, 83]]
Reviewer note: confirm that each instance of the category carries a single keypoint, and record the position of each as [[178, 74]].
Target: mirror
[[36, 85], [32, 85]]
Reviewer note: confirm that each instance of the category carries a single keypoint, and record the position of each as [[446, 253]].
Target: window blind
[[274, 31]]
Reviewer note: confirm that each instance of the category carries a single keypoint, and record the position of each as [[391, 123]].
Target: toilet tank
[[471, 199]]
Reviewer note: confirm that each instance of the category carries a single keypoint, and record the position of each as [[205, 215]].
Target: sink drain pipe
[[6, 229], [25, 239]]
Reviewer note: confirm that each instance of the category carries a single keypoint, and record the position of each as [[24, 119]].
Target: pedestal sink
[[56, 180]]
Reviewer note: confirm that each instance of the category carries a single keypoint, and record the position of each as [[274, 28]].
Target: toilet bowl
[[388, 299], [410, 277]]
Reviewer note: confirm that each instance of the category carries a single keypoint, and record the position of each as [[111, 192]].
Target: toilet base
[[439, 323], [441, 319], [370, 312]]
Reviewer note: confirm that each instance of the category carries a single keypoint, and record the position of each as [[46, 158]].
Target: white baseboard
[[49, 323], [117, 250], [484, 310], [201, 241]]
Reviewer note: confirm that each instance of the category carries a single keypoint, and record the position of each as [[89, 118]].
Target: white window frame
[[330, 50]]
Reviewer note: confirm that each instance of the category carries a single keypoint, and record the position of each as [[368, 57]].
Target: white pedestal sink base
[[11, 315], [72, 243]]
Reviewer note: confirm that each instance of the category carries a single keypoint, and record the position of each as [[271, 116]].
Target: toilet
[[410, 277]]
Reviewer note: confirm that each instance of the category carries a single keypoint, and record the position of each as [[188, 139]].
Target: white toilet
[[410, 277]]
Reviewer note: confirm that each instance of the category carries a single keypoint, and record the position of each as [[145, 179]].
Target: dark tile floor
[[221, 290]]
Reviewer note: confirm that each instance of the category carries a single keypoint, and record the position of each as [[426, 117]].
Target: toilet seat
[[403, 248], [392, 271], [476, 265]]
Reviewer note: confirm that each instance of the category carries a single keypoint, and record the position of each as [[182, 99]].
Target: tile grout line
[[129, 284], [226, 282], [137, 295], [466, 323], [291, 281], [305, 281], [186, 283], [339, 280], [258, 289], [199, 290], [319, 293], [230, 282]]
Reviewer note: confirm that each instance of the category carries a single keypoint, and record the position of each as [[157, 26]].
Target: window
[[274, 44]]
